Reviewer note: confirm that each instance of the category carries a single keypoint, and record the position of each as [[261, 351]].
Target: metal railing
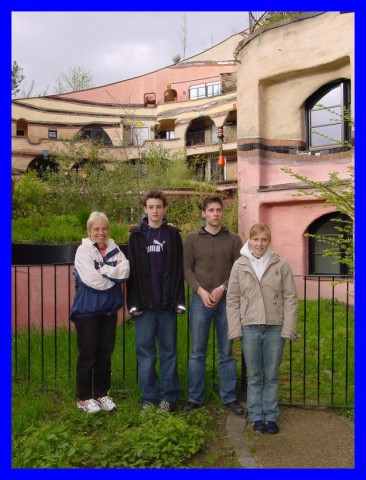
[[255, 19], [317, 370]]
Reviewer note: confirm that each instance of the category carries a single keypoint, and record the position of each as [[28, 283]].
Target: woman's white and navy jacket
[[98, 279]]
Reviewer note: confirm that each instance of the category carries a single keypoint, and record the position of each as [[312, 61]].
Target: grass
[[50, 432], [59, 229], [48, 429], [319, 367]]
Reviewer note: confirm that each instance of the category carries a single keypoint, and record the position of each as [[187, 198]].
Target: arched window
[[96, 134], [327, 227], [42, 165], [201, 131], [326, 124], [170, 95]]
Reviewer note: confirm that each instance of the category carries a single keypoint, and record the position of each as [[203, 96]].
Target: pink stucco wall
[[42, 296], [268, 195], [180, 77]]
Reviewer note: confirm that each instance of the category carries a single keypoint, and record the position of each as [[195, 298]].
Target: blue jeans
[[199, 325], [160, 326], [262, 348]]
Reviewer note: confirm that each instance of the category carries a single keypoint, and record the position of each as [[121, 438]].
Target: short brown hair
[[155, 193], [209, 200], [260, 228]]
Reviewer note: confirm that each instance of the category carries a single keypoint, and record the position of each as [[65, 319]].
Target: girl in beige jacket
[[262, 311]]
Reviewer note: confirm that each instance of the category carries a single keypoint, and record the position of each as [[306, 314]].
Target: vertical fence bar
[[333, 327], [42, 327], [29, 328], [55, 321], [347, 344], [15, 357], [15, 323], [318, 345], [46, 321], [124, 335], [68, 318], [213, 354], [304, 347]]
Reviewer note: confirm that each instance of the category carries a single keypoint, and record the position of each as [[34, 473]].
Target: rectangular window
[[213, 89], [139, 135], [166, 134], [52, 133], [204, 90]]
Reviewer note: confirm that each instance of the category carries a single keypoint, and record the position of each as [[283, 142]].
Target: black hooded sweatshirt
[[156, 268]]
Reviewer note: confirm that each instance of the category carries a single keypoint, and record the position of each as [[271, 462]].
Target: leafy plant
[[339, 193], [70, 440], [29, 196], [81, 185]]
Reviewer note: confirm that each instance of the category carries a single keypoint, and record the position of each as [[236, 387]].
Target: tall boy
[[155, 294]]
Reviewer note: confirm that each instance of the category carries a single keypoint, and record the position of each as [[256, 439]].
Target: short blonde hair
[[260, 228], [96, 217]]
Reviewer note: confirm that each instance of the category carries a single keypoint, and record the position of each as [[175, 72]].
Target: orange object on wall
[[221, 162]]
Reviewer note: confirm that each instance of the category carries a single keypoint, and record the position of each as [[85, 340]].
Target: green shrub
[[153, 439], [59, 229], [29, 197]]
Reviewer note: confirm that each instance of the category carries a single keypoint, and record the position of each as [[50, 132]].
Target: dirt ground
[[308, 438]]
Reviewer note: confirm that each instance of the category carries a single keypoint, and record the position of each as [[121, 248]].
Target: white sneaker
[[106, 403], [89, 406], [165, 406]]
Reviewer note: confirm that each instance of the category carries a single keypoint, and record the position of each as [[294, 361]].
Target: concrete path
[[308, 438]]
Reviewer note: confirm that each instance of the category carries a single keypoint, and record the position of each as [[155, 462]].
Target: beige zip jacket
[[270, 301]]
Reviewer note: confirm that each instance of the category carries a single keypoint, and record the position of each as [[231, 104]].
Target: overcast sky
[[112, 45]]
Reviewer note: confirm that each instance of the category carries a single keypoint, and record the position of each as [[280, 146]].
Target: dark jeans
[[95, 336], [161, 327]]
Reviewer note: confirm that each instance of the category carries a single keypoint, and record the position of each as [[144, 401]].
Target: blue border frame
[[5, 344]]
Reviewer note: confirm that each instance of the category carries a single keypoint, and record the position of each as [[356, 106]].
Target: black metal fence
[[317, 370]]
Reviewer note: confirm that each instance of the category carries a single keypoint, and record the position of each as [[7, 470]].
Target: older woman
[[100, 267], [262, 311]]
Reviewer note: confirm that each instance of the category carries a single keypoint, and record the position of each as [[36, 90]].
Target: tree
[[76, 79], [26, 91], [17, 78], [339, 193]]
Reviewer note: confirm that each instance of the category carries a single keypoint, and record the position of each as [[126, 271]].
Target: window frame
[[210, 89], [139, 139], [52, 133], [313, 229], [94, 133], [313, 105]]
